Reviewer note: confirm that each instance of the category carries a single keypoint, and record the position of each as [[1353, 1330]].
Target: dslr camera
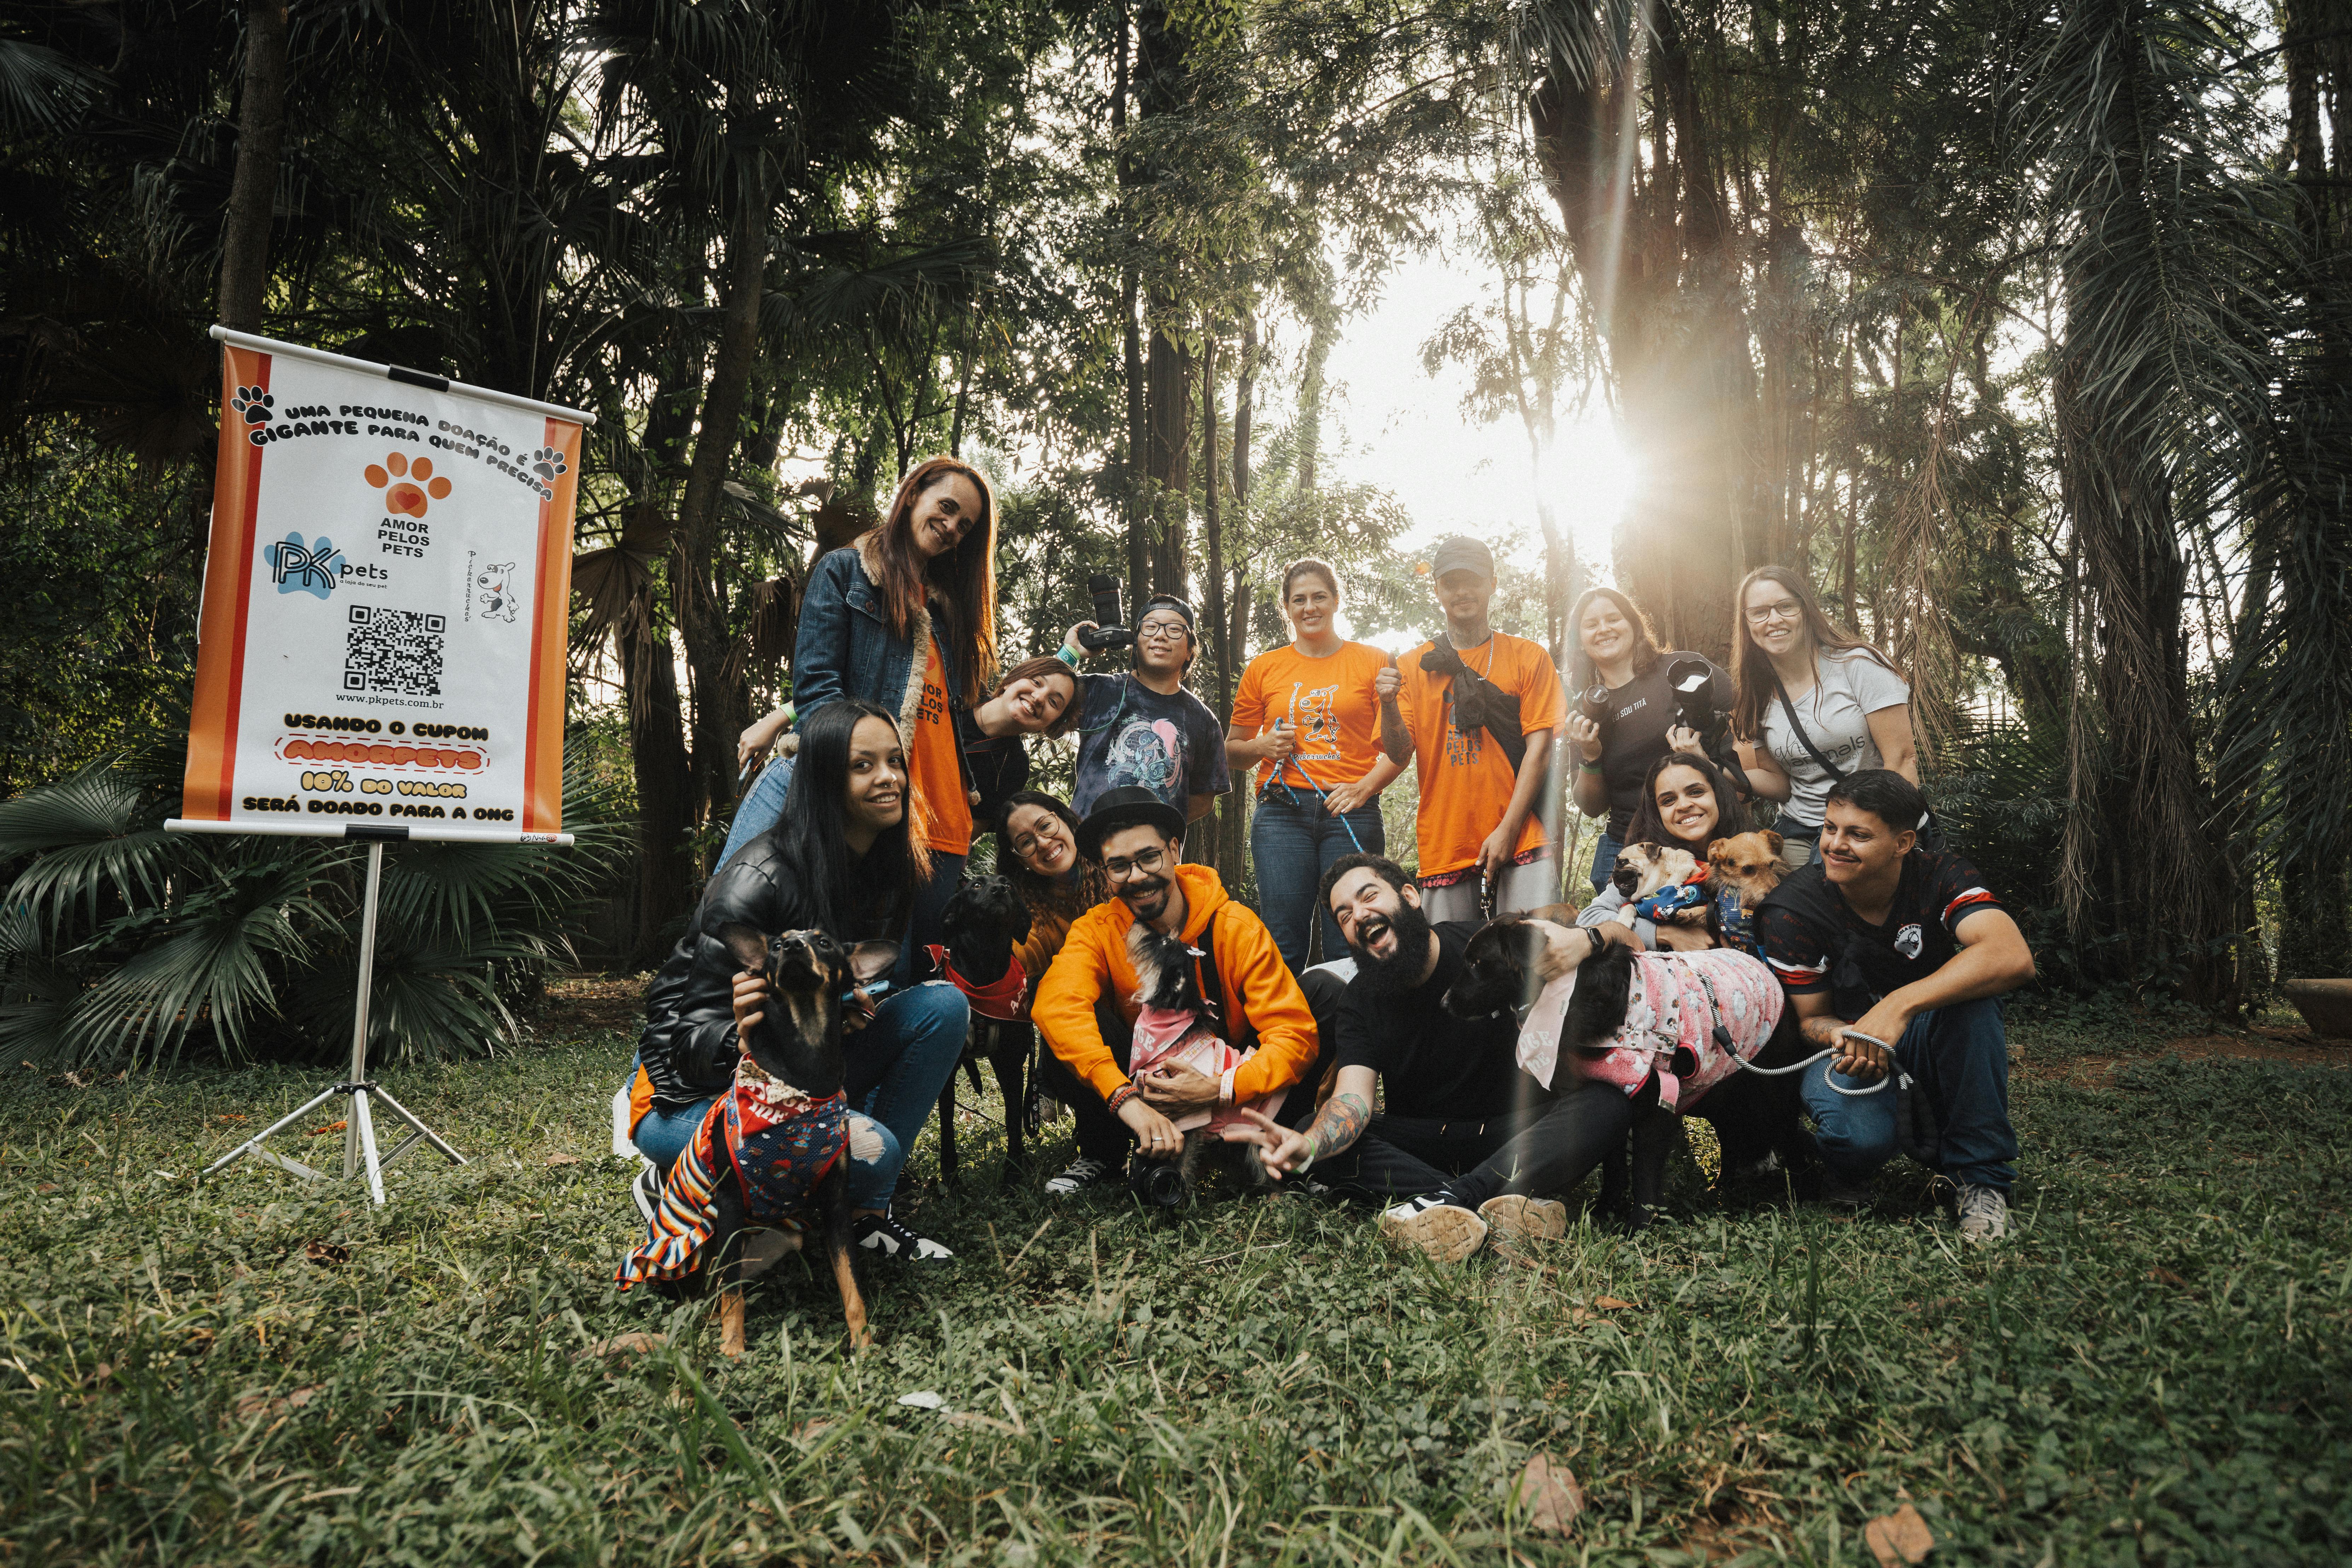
[[1109, 628], [1688, 678]]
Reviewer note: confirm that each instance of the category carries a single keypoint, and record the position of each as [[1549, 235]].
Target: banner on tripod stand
[[381, 649]]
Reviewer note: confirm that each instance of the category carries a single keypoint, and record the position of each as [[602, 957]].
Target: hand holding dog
[[751, 999], [1177, 1088]]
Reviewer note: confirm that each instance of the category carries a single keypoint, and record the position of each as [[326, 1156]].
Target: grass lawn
[[2155, 1367]]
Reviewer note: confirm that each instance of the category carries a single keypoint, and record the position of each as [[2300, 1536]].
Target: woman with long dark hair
[[1307, 716], [842, 858], [904, 618], [1621, 716], [1815, 703], [1687, 803]]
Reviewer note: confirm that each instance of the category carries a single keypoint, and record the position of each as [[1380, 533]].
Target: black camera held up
[[1689, 678], [1594, 704], [1109, 630]]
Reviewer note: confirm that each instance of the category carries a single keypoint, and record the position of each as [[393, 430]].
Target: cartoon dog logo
[[494, 586]]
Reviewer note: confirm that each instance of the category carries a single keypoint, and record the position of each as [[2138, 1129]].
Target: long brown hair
[[1752, 667], [959, 584], [1646, 636], [1088, 888], [1045, 668]]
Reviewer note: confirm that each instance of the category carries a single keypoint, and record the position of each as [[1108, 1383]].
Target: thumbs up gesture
[[1390, 681]]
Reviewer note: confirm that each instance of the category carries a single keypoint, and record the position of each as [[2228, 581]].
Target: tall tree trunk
[[1232, 811], [1220, 666], [1167, 454], [719, 705], [665, 869], [253, 188]]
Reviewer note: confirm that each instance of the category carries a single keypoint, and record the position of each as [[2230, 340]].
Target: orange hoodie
[[1093, 962]]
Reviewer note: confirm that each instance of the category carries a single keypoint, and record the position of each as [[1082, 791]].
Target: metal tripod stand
[[359, 1130]]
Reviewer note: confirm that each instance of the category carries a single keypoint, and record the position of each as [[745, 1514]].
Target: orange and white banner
[[381, 651]]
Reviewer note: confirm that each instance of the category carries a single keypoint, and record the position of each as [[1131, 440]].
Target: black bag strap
[[1206, 970], [1837, 774]]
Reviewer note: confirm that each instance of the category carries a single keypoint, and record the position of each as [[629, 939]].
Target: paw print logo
[[254, 403], [546, 462], [405, 484]]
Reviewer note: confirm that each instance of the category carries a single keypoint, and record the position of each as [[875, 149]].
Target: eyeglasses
[[1049, 832], [1163, 631], [1145, 864], [1786, 610]]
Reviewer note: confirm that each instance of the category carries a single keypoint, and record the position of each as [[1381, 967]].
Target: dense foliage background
[[2024, 326]]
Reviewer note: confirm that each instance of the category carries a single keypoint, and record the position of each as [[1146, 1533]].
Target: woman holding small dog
[[843, 859], [1814, 705], [1689, 806], [1623, 719], [1307, 717]]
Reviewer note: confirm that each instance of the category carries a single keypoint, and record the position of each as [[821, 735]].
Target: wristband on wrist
[[1306, 1156], [1120, 1096], [1067, 654], [1588, 767]]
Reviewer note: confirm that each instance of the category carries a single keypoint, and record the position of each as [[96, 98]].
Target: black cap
[[1462, 553], [1126, 806]]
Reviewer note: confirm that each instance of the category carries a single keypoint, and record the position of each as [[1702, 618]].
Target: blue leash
[[1326, 800]]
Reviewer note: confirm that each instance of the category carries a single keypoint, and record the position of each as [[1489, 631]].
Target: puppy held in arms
[[1174, 1027], [770, 1161]]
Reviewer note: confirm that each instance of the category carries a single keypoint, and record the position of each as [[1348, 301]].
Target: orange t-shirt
[[1328, 702], [1465, 780], [946, 819]]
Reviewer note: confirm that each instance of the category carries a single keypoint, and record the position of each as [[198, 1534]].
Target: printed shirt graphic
[[1815, 943], [1850, 687], [1130, 734], [1328, 702], [1465, 780], [938, 780]]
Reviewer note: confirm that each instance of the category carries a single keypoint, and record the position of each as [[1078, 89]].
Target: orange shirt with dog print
[[937, 767], [1329, 704], [1465, 780]]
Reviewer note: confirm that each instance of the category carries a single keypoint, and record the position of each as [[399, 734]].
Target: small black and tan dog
[[796, 1043], [1176, 1026], [1755, 1118], [984, 921]]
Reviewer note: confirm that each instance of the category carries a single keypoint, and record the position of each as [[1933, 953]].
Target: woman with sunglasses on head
[[1814, 704], [1621, 674], [904, 618], [1307, 716]]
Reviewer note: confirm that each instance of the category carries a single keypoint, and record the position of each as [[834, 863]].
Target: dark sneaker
[[1436, 1225], [1850, 1194], [1081, 1173], [883, 1235], [1538, 1219], [1984, 1214], [647, 1190]]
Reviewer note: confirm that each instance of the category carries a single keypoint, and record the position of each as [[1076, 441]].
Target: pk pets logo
[[297, 568]]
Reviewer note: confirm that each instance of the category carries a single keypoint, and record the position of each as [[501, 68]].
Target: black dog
[[1754, 1117], [983, 923], [796, 1042], [1176, 1025]]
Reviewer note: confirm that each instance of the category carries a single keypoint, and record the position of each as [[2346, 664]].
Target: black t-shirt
[[1641, 712], [1433, 1063], [998, 765], [1815, 943]]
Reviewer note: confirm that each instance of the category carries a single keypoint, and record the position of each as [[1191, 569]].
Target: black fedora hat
[[1126, 806]]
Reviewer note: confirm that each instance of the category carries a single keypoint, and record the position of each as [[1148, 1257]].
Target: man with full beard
[[1468, 1139]]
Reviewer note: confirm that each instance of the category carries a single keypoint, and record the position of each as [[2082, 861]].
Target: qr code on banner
[[393, 650]]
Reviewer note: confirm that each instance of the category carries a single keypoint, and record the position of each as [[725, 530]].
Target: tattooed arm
[[1338, 1124]]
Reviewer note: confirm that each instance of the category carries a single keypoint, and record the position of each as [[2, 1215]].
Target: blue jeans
[[1604, 859], [897, 1067], [757, 811], [1957, 1056], [1293, 841]]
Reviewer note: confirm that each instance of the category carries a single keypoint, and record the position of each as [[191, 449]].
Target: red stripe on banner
[[209, 789], [550, 619]]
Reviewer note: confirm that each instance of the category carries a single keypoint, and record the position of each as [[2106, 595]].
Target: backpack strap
[[1837, 774], [1241, 1038]]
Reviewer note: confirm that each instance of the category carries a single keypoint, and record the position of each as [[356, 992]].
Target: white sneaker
[[882, 1233], [1081, 1173], [1445, 1231], [1538, 1219], [1984, 1214]]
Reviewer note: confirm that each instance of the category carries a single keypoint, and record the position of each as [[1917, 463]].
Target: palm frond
[[95, 830]]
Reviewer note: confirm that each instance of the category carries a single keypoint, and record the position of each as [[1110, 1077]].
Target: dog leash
[[1896, 1076]]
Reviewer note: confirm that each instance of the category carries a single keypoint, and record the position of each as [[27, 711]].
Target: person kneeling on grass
[[1879, 938], [1087, 1006], [1470, 1143]]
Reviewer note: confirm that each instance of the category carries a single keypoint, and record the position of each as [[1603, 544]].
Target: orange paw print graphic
[[407, 484]]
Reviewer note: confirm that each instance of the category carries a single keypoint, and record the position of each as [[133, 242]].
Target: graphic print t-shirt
[[938, 781], [1850, 687], [1329, 704], [1465, 780], [1130, 734], [1815, 942]]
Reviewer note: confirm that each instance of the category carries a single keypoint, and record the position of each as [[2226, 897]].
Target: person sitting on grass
[[1881, 939], [1086, 1006], [1470, 1142]]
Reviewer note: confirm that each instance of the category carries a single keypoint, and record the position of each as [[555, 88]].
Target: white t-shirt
[[1850, 687]]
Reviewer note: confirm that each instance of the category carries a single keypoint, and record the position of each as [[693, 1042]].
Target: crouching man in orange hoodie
[[1086, 1006]]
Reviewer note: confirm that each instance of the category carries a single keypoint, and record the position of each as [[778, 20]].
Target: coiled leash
[[1915, 1132], [1896, 1076]]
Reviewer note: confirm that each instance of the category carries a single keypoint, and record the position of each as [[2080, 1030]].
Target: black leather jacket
[[688, 1047]]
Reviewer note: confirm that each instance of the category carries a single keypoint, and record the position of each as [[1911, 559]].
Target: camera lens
[[1159, 1182]]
